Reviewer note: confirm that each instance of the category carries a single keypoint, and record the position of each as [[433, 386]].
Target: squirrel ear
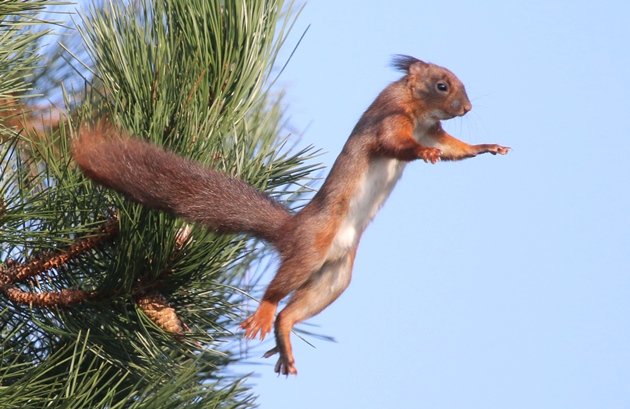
[[407, 63]]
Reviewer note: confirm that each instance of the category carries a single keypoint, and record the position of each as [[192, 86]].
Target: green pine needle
[[195, 77]]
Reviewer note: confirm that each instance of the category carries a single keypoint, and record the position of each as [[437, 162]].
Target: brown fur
[[317, 245], [154, 177]]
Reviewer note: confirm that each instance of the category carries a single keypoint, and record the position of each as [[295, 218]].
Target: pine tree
[[105, 304]]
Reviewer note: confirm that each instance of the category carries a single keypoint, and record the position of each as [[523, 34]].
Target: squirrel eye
[[442, 86]]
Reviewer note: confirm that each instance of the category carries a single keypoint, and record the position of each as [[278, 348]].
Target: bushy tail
[[162, 180]]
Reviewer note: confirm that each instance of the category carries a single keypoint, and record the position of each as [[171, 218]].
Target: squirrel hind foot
[[261, 321], [285, 365]]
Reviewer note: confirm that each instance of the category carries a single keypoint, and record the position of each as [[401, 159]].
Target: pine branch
[[48, 299], [190, 75], [13, 272]]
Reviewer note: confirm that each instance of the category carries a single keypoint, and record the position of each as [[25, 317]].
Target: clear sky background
[[497, 282]]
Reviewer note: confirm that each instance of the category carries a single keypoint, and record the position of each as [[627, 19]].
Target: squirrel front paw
[[494, 149], [501, 150], [430, 155]]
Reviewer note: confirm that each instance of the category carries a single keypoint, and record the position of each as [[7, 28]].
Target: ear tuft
[[403, 62]]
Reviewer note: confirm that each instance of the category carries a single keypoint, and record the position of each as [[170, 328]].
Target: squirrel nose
[[467, 107]]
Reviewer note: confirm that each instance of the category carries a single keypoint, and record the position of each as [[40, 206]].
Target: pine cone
[[156, 307]]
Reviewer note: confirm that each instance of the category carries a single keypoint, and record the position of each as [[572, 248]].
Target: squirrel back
[[165, 181]]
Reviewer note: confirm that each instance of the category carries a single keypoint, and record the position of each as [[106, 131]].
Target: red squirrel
[[317, 245]]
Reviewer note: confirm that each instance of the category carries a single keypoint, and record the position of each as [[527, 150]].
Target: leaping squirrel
[[317, 245]]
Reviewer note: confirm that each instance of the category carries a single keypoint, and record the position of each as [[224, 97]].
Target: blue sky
[[497, 282]]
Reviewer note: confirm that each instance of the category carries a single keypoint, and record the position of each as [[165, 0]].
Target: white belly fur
[[371, 192]]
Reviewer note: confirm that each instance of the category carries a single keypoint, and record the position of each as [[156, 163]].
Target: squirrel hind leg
[[286, 363], [316, 294], [261, 321]]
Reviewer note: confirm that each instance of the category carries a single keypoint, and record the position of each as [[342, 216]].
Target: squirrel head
[[439, 91]]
